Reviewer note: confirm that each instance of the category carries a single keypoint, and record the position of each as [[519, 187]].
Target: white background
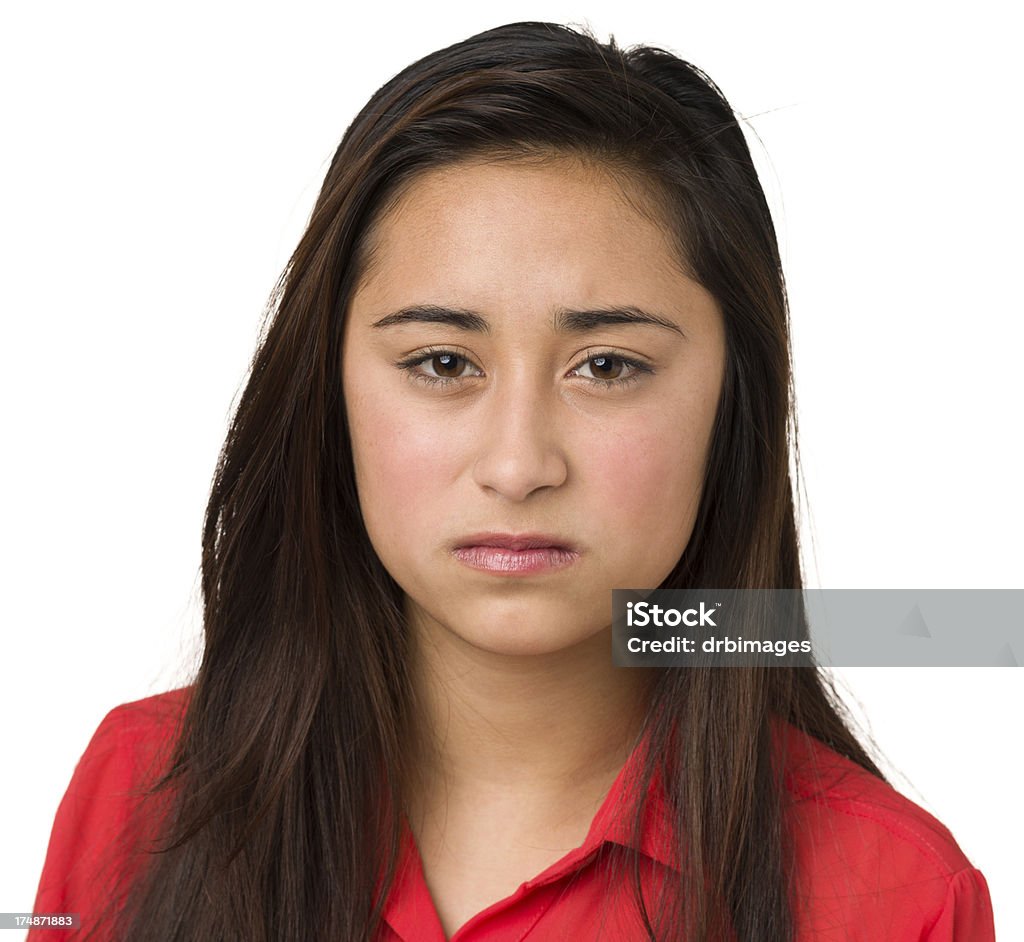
[[158, 166]]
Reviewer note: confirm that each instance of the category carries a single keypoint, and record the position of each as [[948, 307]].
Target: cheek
[[402, 466], [651, 479], [652, 475]]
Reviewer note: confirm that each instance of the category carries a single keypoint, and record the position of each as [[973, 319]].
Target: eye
[[445, 365], [439, 366], [605, 367], [610, 369]]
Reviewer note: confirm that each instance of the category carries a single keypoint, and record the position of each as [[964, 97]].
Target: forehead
[[497, 232]]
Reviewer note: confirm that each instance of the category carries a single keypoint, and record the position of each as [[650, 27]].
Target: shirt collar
[[614, 819], [409, 906]]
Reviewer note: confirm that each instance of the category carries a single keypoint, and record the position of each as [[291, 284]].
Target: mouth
[[515, 554]]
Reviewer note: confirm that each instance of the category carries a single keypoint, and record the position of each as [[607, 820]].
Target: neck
[[531, 725]]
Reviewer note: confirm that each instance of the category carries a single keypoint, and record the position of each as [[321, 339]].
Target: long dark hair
[[282, 789]]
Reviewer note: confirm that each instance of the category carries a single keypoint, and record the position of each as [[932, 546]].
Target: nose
[[519, 450]]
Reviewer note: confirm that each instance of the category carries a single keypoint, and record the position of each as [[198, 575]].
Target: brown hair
[[285, 774]]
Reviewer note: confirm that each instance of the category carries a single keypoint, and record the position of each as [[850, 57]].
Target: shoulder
[[133, 739], [126, 751], [155, 715], [826, 790], [95, 831], [869, 857]]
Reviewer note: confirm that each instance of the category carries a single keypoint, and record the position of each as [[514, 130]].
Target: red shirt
[[874, 866]]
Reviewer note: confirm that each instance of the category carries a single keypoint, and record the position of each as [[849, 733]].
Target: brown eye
[[612, 371], [440, 369], [606, 367], [447, 365]]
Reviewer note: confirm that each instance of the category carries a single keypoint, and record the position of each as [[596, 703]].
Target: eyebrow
[[566, 320], [432, 314], [572, 321]]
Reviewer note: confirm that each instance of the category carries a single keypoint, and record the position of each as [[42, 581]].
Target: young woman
[[531, 348]]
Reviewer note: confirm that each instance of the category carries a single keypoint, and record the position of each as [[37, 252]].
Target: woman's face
[[530, 383]]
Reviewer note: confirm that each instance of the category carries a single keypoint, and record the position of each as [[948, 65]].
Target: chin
[[526, 645], [513, 623], [522, 633]]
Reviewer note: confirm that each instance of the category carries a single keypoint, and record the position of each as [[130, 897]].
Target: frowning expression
[[530, 381]]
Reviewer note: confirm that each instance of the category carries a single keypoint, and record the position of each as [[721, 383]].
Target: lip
[[515, 554]]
